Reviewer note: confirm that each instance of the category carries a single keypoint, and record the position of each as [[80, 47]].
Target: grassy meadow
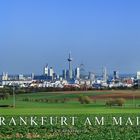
[[54, 105], [72, 105]]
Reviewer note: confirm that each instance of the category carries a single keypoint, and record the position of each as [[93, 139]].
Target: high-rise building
[[138, 75], [5, 76], [115, 75], [32, 76], [64, 74], [105, 78], [67, 74], [91, 76], [46, 70], [21, 77], [82, 71], [77, 73], [50, 72]]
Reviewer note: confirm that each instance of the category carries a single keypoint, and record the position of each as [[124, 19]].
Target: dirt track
[[126, 95]]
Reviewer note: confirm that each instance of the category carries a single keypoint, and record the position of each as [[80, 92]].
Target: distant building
[[4, 76], [67, 74], [115, 75], [46, 70], [138, 79], [57, 76], [32, 76], [91, 76], [21, 77], [50, 72], [64, 74], [105, 77], [138, 75], [77, 73]]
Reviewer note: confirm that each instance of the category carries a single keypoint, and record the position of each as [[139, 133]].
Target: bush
[[64, 100], [45, 100], [84, 100], [87, 100], [56, 100], [7, 95], [80, 99], [115, 102], [120, 101], [26, 99]]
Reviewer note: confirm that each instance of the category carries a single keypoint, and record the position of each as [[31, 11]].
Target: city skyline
[[47, 69], [98, 33]]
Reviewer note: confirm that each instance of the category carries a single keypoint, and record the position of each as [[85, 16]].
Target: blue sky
[[97, 32]]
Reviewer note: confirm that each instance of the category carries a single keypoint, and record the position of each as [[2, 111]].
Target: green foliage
[[26, 99], [65, 102], [45, 100], [7, 95], [4, 96], [84, 99], [76, 132], [115, 102]]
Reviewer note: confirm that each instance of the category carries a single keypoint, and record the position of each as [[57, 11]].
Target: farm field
[[66, 104], [76, 132], [71, 105]]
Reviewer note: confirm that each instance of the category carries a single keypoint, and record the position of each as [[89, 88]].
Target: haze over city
[[98, 33]]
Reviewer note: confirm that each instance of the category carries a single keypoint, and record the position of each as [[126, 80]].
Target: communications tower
[[70, 65]]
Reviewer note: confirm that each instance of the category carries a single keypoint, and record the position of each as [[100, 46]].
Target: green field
[[69, 132], [72, 106]]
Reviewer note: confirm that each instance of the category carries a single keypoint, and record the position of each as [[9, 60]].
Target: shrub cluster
[[4, 96], [84, 100], [115, 102], [45, 100]]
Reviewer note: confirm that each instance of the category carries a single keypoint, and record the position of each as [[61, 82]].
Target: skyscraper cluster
[[49, 72], [70, 76], [67, 74]]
